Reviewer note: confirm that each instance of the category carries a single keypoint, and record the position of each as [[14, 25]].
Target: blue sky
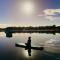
[[52, 3], [29, 12]]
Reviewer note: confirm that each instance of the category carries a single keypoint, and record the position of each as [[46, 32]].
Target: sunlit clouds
[[51, 14], [51, 11]]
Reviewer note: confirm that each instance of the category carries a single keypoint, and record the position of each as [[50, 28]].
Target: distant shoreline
[[42, 29]]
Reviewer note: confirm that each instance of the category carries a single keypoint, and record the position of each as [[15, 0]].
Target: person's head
[[29, 38]]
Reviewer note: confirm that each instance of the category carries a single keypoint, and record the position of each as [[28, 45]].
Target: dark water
[[51, 43]]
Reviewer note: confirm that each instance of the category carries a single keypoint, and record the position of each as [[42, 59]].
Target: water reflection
[[28, 46], [50, 42], [53, 45], [10, 34]]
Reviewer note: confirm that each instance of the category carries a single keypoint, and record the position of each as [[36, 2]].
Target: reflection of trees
[[8, 34]]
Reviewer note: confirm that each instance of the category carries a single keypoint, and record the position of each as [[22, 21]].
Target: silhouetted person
[[28, 46], [29, 42]]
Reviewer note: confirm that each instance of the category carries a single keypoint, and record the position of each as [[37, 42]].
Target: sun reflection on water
[[25, 52]]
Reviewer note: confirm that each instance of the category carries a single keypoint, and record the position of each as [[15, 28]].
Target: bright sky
[[29, 12]]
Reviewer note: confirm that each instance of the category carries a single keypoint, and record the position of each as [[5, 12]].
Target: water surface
[[50, 42]]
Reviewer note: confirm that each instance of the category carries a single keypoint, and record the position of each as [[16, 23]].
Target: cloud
[[51, 14], [51, 11]]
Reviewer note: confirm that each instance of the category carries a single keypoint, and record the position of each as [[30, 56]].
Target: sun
[[27, 7]]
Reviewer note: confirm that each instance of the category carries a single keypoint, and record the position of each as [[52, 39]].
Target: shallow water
[[50, 42]]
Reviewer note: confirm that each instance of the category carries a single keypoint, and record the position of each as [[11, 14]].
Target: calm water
[[50, 42]]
